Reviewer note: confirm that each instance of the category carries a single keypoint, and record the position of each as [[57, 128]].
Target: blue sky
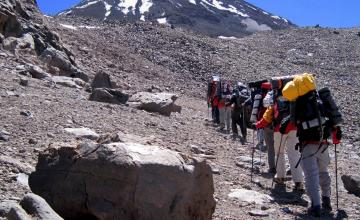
[[327, 13]]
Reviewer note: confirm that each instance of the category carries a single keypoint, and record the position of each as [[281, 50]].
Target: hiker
[[317, 118], [225, 111], [275, 114], [239, 98], [213, 98], [269, 133], [263, 99]]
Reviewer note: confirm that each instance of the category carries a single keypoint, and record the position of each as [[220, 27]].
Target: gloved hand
[[261, 124], [284, 123], [253, 126], [336, 135]]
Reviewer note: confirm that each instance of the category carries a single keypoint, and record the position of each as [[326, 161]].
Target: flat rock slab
[[259, 213], [83, 133], [352, 184], [163, 103], [246, 159], [68, 81], [250, 196]]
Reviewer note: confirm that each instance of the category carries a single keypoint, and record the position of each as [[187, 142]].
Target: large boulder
[[123, 181], [163, 103], [59, 59], [352, 184], [101, 80], [112, 96]]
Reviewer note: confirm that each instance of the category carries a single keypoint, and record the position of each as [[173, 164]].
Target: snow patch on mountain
[[145, 6], [219, 5], [251, 7], [162, 20], [108, 9], [68, 26], [192, 2], [65, 12], [227, 38], [87, 5], [127, 6]]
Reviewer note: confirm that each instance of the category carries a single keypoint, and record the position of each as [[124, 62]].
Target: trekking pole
[[336, 181], [277, 160], [252, 156]]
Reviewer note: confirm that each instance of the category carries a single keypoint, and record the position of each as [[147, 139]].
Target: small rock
[[196, 149], [259, 213], [286, 210], [246, 159], [5, 207], [352, 184], [50, 135], [26, 113], [37, 72], [83, 133], [17, 213], [38, 207], [24, 82], [215, 170], [32, 141], [250, 196], [4, 136]]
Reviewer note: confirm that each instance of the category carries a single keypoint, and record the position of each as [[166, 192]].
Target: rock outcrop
[[24, 32], [123, 181], [112, 96], [163, 103]]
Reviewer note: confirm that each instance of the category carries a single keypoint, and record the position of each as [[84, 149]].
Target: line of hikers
[[291, 115]]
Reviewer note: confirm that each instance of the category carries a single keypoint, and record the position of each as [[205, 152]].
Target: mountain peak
[[231, 18]]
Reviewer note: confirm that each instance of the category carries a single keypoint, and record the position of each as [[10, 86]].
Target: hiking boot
[[314, 211], [299, 187], [326, 203]]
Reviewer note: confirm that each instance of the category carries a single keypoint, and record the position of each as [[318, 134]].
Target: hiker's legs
[[228, 117], [294, 156], [323, 160], [279, 145], [269, 141], [235, 117], [242, 124], [310, 167], [222, 117]]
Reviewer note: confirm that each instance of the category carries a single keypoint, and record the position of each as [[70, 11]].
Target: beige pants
[[225, 117], [288, 141]]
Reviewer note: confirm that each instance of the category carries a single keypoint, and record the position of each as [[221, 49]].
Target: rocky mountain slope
[[148, 57], [211, 17]]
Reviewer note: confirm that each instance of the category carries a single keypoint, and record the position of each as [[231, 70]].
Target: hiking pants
[[269, 141], [287, 141], [260, 136], [316, 172], [215, 114], [237, 119], [225, 117]]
